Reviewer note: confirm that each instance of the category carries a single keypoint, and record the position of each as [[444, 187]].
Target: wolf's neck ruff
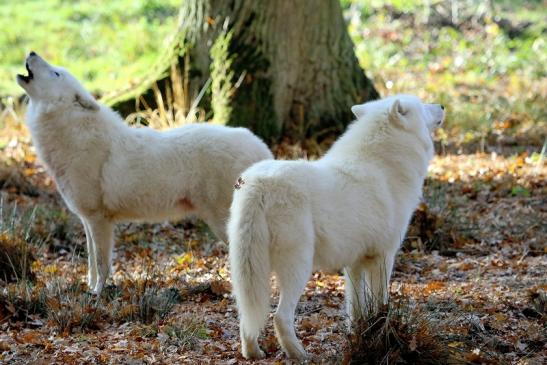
[[378, 143], [58, 142]]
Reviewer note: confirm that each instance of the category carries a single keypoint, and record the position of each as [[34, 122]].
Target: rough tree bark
[[278, 67]]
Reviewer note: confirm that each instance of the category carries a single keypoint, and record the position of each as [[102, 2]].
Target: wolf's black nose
[[442, 107], [32, 53]]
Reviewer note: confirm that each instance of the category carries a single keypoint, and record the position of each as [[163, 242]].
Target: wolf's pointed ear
[[86, 102], [358, 110], [396, 113]]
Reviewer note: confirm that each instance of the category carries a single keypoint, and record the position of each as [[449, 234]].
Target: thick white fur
[[350, 210], [108, 172]]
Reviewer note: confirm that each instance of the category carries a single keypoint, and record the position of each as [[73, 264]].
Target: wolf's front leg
[[91, 257], [216, 220], [102, 232]]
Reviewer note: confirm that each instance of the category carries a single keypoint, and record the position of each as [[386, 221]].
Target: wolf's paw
[[250, 348], [296, 351], [255, 354], [97, 289], [91, 282]]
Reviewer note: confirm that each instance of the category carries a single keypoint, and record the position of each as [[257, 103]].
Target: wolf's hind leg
[[293, 269], [354, 288], [377, 275]]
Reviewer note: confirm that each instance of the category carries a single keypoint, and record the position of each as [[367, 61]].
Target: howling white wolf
[[350, 210], [108, 172]]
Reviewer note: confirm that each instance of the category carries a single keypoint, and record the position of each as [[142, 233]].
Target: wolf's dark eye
[[56, 73]]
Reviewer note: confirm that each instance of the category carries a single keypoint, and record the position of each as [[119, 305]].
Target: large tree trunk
[[278, 67]]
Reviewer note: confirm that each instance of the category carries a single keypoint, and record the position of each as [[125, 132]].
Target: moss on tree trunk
[[277, 67]]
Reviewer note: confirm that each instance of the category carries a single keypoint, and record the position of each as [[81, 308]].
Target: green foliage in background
[[491, 81], [489, 67], [105, 43]]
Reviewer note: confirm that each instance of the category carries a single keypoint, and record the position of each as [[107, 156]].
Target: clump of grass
[[173, 109], [65, 304], [58, 229], [538, 298], [145, 303], [16, 255], [22, 301], [185, 333], [143, 299], [399, 333], [15, 258], [70, 307]]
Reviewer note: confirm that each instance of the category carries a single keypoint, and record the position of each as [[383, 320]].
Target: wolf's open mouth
[[30, 74]]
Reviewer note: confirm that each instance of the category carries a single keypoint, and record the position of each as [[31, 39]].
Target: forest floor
[[472, 270]]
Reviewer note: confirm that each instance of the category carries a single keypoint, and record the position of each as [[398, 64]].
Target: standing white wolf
[[108, 172], [350, 210]]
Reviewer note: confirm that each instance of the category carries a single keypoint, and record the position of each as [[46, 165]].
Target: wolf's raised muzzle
[[30, 76]]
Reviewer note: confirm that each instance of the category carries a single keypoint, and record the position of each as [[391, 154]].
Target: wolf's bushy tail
[[250, 258]]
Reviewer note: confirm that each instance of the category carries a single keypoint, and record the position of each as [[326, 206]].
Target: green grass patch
[[486, 64], [104, 43]]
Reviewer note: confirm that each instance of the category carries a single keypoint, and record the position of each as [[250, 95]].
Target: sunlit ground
[[472, 264]]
